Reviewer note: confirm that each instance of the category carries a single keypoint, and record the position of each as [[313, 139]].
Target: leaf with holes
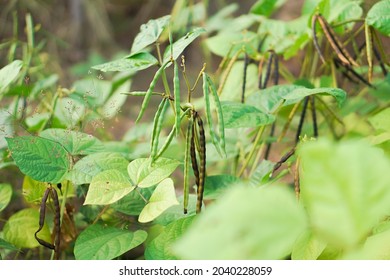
[[41, 159], [98, 242], [86, 168], [75, 142], [162, 198], [108, 187]]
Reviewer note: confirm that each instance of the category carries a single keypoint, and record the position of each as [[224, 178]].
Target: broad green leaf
[[376, 247], [379, 17], [86, 168], [134, 63], [232, 89], [299, 93], [181, 44], [228, 43], [76, 143], [282, 35], [69, 112], [160, 248], [7, 127], [41, 159], [266, 7], [98, 242], [6, 245], [33, 190], [237, 115], [344, 187], [215, 185], [143, 173], [269, 100], [176, 212], [21, 226], [132, 204], [381, 121], [307, 247], [162, 198], [227, 229], [5, 195], [8, 73], [107, 187], [149, 33]]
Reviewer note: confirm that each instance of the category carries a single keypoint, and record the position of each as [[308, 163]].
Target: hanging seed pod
[[202, 159], [314, 115], [302, 119], [187, 160], [42, 214], [246, 63], [176, 94], [57, 221], [369, 50]]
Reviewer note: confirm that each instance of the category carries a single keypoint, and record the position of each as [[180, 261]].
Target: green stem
[[251, 153]]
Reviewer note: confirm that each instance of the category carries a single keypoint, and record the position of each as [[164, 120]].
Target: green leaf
[[215, 185], [42, 84], [176, 212], [229, 43], [160, 248], [6, 245], [237, 115], [107, 187], [269, 100], [9, 73], [86, 168], [307, 247], [21, 226], [262, 173], [376, 247], [99, 242], [143, 173], [76, 143], [5, 195], [181, 44], [232, 89], [300, 93], [266, 7], [41, 159], [149, 33], [134, 63], [381, 121], [132, 204], [344, 187], [33, 190], [227, 229], [379, 17], [162, 198]]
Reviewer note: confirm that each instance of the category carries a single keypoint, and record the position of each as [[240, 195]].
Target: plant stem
[[251, 153]]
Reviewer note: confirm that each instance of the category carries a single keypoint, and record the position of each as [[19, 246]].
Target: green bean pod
[[209, 118], [176, 94], [187, 160], [150, 90], [202, 166], [218, 108], [157, 126]]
